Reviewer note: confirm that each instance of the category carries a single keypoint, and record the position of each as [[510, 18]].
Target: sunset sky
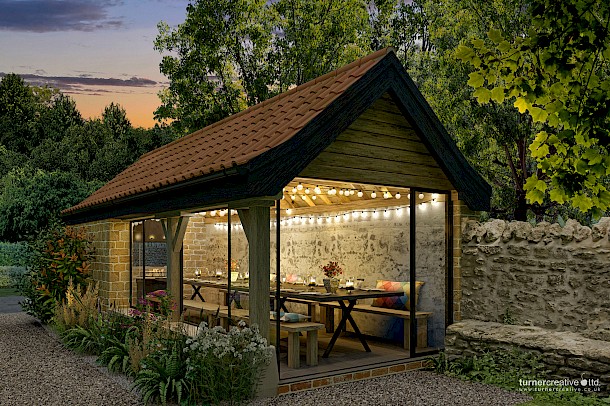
[[97, 51]]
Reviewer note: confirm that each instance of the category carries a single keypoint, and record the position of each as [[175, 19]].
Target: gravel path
[[36, 370], [415, 388]]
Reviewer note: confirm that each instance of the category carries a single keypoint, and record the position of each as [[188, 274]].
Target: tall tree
[[18, 108], [228, 55]]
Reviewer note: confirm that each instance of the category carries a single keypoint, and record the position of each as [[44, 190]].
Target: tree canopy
[[558, 73], [52, 158]]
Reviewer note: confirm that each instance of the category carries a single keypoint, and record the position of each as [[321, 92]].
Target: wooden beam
[[174, 229], [255, 221]]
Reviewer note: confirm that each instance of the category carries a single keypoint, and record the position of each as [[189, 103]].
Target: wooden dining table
[[346, 299]]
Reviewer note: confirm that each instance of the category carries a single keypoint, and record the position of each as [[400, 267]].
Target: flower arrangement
[[234, 265], [332, 269]]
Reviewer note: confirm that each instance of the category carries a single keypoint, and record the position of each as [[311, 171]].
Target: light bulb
[[351, 192], [320, 220], [421, 196], [386, 213], [434, 196], [288, 211], [317, 190], [375, 214], [373, 195], [303, 197], [341, 192], [333, 191], [314, 197], [397, 195], [213, 213], [364, 214], [399, 212], [294, 190], [356, 214], [293, 197], [346, 216], [360, 194], [311, 220], [203, 213], [307, 191], [300, 186], [422, 206]]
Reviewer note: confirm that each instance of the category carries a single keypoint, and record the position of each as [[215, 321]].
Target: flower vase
[[331, 285]]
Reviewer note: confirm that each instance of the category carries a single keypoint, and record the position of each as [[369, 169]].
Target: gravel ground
[[36, 370], [413, 388]]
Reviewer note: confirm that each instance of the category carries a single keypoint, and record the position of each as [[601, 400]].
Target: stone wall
[[111, 264], [563, 354], [370, 249], [544, 275]]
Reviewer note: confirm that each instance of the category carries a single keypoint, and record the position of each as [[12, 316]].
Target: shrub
[[60, 255], [11, 276], [14, 254], [225, 366]]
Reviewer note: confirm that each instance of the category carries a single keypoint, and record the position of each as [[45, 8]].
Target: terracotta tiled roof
[[235, 140]]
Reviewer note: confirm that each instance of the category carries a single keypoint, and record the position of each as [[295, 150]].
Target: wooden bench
[[293, 329], [422, 320]]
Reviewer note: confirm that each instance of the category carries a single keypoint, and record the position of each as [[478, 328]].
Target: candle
[[218, 273], [312, 281], [197, 272], [349, 285]]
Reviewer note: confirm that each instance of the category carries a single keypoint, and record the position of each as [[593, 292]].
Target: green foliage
[[116, 355], [228, 55], [163, 375], [504, 368], [61, 258], [225, 366], [14, 254], [11, 276], [558, 74], [31, 199], [18, 108]]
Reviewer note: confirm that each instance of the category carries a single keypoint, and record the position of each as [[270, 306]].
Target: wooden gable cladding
[[379, 147]]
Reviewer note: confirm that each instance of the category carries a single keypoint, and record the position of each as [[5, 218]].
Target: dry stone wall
[[563, 354], [546, 275]]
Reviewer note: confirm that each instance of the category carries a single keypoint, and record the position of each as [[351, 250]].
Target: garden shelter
[[359, 141]]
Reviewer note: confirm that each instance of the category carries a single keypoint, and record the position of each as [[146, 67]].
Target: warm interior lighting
[[373, 195], [421, 196], [300, 186], [307, 191], [397, 195], [294, 190], [288, 211], [360, 194], [314, 197], [303, 197], [317, 190], [434, 196]]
